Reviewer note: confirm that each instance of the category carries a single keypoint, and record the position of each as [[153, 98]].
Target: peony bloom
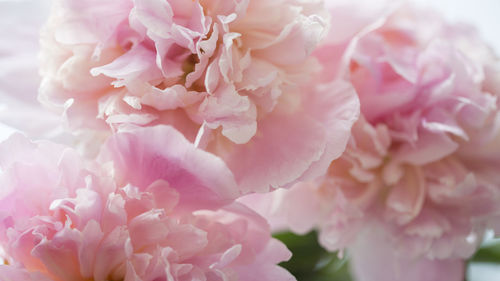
[[141, 213], [235, 77], [421, 161]]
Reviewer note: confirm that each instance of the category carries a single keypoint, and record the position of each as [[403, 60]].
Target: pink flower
[[420, 162], [425, 88], [160, 209], [374, 258], [236, 77]]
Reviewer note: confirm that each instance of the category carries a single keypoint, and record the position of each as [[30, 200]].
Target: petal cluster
[[376, 124], [136, 214], [420, 161], [237, 77]]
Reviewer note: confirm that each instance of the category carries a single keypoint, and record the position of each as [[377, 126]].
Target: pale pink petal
[[138, 63], [241, 127], [170, 98], [60, 254], [295, 43], [259, 252], [289, 144], [12, 273], [429, 148], [374, 259], [146, 155], [407, 196], [298, 209], [336, 107]]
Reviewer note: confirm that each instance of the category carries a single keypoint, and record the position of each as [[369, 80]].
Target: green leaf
[[489, 253], [310, 262]]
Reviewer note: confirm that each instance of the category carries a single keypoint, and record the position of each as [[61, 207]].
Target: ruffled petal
[[143, 156]]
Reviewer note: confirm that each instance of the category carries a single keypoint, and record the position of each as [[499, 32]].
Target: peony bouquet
[[209, 140]]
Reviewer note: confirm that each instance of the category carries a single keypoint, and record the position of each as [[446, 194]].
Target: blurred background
[[484, 14]]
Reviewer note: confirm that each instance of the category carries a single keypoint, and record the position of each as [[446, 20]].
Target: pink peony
[[374, 258], [422, 162], [153, 208], [235, 77]]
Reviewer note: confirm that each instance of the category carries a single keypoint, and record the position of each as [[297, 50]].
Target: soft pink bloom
[[236, 77], [153, 208], [373, 258], [423, 160]]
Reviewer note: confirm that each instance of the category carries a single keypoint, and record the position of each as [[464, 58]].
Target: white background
[[485, 14]]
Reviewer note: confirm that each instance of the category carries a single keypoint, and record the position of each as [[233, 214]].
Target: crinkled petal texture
[[237, 77], [64, 219], [420, 160]]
